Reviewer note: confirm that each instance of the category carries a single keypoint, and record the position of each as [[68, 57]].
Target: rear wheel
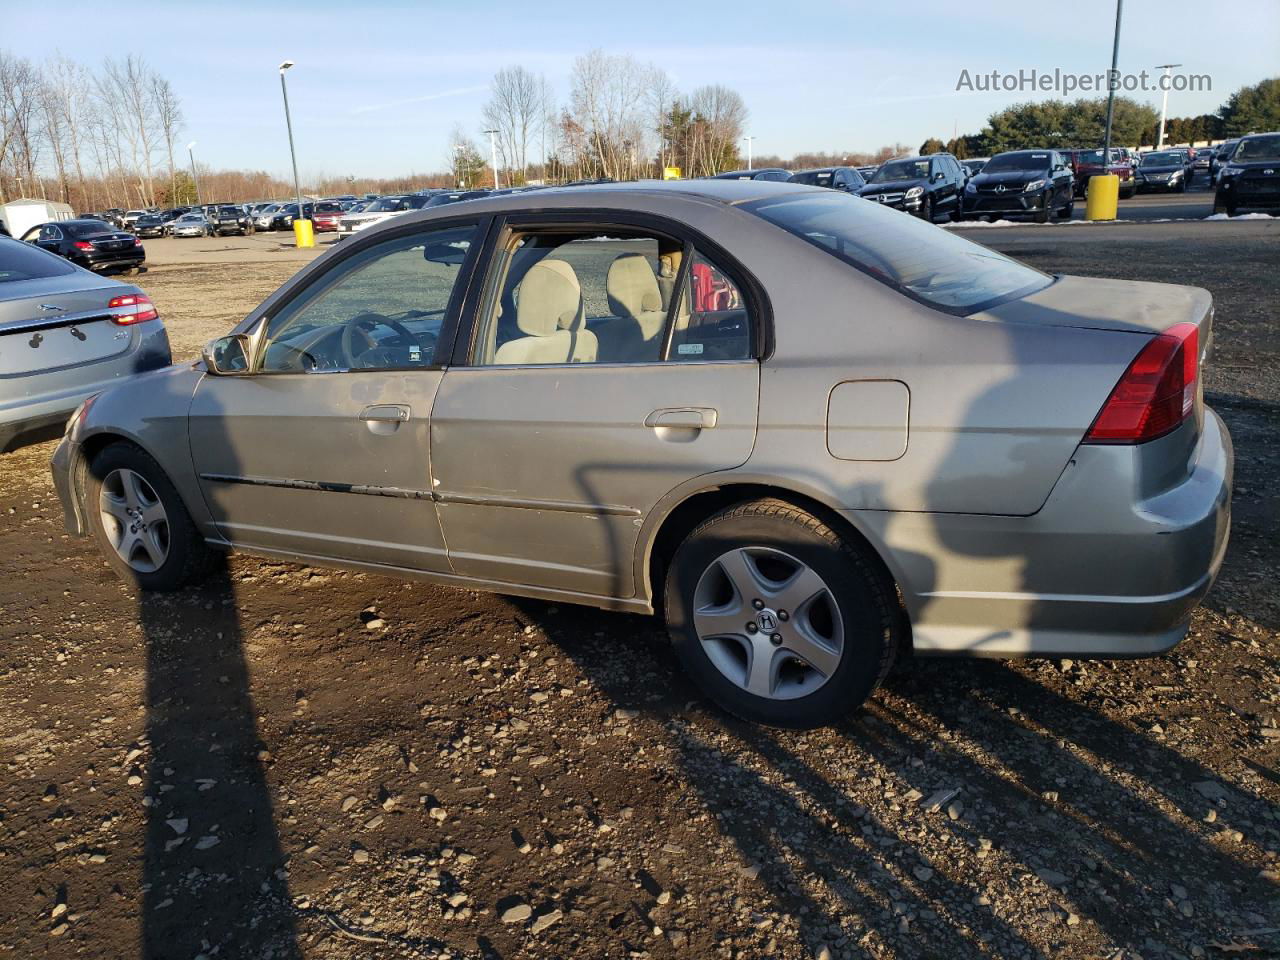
[[139, 521], [778, 618]]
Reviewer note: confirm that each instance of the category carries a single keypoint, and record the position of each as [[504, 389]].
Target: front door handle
[[385, 413], [384, 419], [683, 418]]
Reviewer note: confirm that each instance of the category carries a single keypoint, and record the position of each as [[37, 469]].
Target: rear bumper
[[1095, 573], [46, 400]]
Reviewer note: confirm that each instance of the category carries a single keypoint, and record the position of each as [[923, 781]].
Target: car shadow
[[215, 879]]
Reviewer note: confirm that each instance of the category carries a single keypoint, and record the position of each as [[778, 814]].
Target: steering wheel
[[362, 323]]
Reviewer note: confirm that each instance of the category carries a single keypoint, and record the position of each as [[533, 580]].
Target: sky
[[379, 84]]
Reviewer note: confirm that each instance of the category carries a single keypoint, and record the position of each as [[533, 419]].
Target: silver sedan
[[809, 432], [65, 334]]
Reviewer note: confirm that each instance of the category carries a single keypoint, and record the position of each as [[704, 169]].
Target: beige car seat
[[550, 314], [635, 299]]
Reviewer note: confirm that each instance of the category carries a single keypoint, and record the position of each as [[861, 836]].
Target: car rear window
[[923, 261], [90, 228], [21, 261]]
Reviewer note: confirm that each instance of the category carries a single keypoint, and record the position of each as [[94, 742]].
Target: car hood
[[1010, 178], [1255, 164], [886, 186], [1130, 306]]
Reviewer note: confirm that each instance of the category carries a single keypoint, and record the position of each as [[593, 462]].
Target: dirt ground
[[292, 762]]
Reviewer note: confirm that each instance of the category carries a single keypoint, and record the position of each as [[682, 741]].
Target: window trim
[[334, 260], [506, 225]]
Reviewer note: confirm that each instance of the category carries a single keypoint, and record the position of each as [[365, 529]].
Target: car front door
[[322, 449], [607, 367]]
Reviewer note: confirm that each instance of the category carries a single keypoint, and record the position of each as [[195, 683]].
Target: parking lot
[[297, 762]]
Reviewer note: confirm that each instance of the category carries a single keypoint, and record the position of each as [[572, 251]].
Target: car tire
[[1067, 212], [926, 209], [768, 545], [140, 523], [1042, 216]]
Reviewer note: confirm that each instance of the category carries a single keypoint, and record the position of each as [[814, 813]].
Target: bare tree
[[168, 113], [514, 109], [465, 160], [607, 100], [20, 116]]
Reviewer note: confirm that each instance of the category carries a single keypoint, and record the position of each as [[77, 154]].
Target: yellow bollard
[[1104, 197], [303, 234]]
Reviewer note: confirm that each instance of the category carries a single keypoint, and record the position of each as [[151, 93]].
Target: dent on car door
[[607, 368], [322, 448]]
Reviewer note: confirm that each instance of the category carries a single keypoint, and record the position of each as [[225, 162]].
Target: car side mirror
[[939, 177], [229, 356]]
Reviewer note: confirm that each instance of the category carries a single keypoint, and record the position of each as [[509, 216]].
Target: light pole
[[302, 234], [1113, 79], [194, 179], [493, 154], [1164, 100], [749, 142]]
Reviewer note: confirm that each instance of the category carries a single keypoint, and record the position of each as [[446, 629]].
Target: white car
[[379, 210], [264, 217], [191, 225]]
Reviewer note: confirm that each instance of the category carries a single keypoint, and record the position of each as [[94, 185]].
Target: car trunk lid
[[58, 322]]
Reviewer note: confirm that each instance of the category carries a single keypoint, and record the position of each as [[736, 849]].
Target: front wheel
[[777, 618], [1067, 212], [139, 521], [1042, 216]]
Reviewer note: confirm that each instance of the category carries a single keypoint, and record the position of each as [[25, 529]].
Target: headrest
[[550, 299], [631, 286]]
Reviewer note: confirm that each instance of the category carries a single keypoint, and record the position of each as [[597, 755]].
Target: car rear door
[[323, 451], [545, 465]]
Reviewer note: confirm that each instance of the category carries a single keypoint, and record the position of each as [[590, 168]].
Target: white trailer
[[19, 216]]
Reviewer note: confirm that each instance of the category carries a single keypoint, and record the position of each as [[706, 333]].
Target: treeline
[[623, 119], [1082, 123], [92, 137]]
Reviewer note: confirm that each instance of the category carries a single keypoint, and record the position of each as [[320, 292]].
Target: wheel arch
[[688, 509]]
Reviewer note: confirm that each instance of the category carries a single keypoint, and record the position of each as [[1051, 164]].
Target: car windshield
[[813, 178], [229, 211], [21, 261], [1258, 148], [91, 228], [328, 207], [190, 218], [902, 170], [386, 205], [915, 257], [1028, 161], [1165, 159]]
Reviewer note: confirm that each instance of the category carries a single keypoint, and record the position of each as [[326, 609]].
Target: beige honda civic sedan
[[810, 432]]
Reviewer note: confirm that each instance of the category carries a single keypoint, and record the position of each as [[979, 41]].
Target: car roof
[[621, 196]]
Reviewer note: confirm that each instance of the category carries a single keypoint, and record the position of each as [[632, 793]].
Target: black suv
[[1251, 176], [925, 186], [1035, 183], [847, 179], [231, 219]]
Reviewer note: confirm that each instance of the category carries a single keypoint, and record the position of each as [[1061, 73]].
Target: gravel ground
[[292, 762]]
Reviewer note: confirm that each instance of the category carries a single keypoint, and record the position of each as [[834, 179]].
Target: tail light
[[81, 245], [1156, 394], [137, 241], [132, 308]]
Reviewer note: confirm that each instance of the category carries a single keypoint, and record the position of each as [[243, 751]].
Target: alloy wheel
[[768, 622], [134, 519]]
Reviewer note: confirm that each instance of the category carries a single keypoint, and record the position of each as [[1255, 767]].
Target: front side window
[[926, 263], [607, 296], [382, 309]]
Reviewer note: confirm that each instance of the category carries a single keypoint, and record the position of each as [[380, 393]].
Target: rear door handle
[[385, 413], [683, 418]]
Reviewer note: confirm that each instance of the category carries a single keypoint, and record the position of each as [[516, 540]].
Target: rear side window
[[926, 263], [19, 261]]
